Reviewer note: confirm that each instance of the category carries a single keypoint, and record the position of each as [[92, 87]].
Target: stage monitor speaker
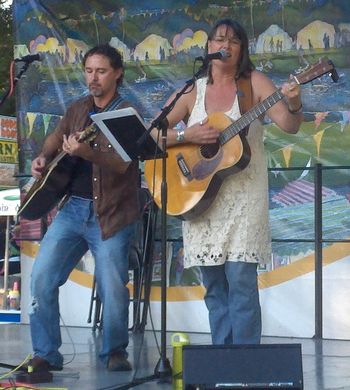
[[263, 366]]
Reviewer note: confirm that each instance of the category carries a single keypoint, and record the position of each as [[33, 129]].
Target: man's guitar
[[196, 172], [46, 192]]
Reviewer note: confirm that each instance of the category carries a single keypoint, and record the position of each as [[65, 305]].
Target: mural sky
[[159, 41]]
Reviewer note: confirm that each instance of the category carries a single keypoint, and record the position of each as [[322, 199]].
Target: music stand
[[163, 368], [124, 128]]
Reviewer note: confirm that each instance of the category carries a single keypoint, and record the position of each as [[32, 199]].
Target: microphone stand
[[16, 79], [163, 368]]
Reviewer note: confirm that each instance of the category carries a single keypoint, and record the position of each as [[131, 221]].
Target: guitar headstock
[[323, 66], [89, 133]]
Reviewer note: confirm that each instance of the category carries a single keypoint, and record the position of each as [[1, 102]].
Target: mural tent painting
[[316, 35], [159, 42], [274, 39]]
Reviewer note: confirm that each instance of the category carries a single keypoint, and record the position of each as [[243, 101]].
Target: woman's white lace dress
[[236, 226]]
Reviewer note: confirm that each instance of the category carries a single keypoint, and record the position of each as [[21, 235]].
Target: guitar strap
[[111, 106], [244, 94]]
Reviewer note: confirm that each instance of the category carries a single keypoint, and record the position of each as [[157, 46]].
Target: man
[[99, 215]]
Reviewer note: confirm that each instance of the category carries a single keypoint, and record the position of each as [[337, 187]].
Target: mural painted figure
[[99, 214], [231, 237]]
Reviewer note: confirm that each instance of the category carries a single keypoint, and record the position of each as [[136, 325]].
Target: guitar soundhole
[[209, 150]]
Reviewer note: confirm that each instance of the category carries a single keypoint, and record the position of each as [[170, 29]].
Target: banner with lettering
[[8, 151]]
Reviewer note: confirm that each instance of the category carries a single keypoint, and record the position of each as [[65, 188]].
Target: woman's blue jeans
[[232, 299], [74, 230]]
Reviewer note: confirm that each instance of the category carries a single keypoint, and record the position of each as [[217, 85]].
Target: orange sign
[[8, 128]]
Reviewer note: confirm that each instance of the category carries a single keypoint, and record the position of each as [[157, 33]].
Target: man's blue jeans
[[232, 299], [74, 230]]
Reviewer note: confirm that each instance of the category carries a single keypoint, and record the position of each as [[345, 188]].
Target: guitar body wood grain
[[195, 172]]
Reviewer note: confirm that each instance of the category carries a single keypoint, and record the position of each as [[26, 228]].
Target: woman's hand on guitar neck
[[38, 166]]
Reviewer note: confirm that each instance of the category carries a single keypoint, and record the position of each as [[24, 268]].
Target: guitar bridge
[[183, 167]]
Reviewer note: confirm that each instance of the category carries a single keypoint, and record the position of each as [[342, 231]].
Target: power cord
[[71, 341], [26, 360]]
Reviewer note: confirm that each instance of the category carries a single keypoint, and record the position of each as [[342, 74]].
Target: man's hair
[[245, 65], [114, 56]]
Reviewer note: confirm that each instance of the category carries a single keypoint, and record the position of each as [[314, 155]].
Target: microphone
[[30, 58], [218, 55]]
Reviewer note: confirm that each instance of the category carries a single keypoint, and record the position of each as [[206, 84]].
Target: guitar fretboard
[[246, 119]]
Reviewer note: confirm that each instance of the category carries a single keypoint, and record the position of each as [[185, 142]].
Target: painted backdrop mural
[[159, 41]]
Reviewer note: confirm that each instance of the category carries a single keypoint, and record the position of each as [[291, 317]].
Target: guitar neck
[[322, 67], [88, 135], [247, 118]]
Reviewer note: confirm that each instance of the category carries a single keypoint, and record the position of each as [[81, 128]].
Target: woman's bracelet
[[296, 110]]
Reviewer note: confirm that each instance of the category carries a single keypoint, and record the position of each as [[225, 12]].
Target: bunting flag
[[287, 152], [31, 116], [319, 117], [318, 137], [46, 121], [305, 171]]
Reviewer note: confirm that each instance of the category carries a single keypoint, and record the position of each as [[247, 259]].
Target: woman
[[232, 237]]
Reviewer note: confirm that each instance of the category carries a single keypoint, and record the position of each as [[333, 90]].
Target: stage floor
[[326, 363]]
